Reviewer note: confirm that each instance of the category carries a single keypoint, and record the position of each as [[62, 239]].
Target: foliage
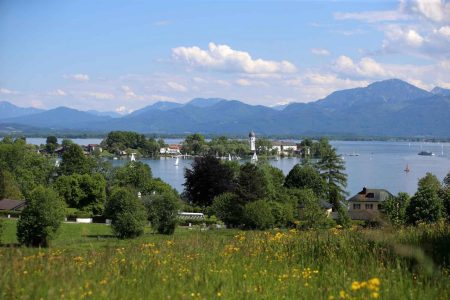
[[332, 169], [73, 161], [222, 146], [41, 218], [9, 189], [2, 229], [343, 218], [305, 177], [228, 208], [283, 214], [194, 144], [429, 181], [446, 181], [264, 146], [51, 143], [252, 183], [127, 213], [258, 215], [312, 214], [425, 206], [135, 174], [84, 192], [208, 178], [395, 208], [117, 141], [162, 212]]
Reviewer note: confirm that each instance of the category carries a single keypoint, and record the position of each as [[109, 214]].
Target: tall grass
[[335, 264]]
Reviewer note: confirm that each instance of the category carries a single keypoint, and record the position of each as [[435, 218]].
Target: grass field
[[86, 262]]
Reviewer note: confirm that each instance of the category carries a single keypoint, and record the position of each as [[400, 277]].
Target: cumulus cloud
[[100, 95], [224, 58], [432, 10], [366, 67], [177, 86], [320, 51], [7, 91], [77, 77]]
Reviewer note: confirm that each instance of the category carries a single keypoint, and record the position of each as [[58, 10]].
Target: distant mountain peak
[[440, 91], [205, 102]]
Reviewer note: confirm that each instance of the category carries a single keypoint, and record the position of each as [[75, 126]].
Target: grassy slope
[[85, 262]]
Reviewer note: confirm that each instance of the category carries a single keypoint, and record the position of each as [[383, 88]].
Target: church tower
[[252, 141]]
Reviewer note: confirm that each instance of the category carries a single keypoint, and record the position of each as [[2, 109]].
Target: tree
[[305, 177], [228, 209], [431, 181], [208, 178], [74, 161], [127, 213], [252, 183], [84, 192], [395, 208], [283, 213], [313, 215], [332, 169], [51, 143], [194, 144], [258, 215], [446, 181], [41, 218], [425, 206], [135, 174], [8, 186], [162, 212]]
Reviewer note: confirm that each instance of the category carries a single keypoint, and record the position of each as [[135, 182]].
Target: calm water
[[379, 164]]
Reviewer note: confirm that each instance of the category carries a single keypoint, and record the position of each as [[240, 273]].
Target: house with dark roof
[[367, 204], [12, 205]]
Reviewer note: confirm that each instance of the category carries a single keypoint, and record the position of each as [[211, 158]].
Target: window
[[380, 207], [369, 206], [356, 206]]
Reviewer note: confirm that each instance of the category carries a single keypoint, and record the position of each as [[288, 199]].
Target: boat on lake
[[426, 153], [407, 169]]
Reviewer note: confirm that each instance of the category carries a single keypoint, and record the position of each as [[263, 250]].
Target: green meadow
[[86, 261]]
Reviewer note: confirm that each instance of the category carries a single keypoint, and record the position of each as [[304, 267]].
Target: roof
[[251, 134], [9, 204], [324, 204], [373, 195], [281, 143]]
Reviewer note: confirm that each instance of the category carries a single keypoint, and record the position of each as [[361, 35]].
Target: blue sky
[[123, 55]]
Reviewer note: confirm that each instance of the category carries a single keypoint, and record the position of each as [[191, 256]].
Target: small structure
[[190, 215], [93, 147], [367, 204], [284, 147], [12, 205], [173, 149]]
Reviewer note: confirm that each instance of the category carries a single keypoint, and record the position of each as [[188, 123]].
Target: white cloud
[[123, 110], [320, 51], [161, 23], [243, 82], [7, 91], [366, 67], [77, 77], [432, 10], [129, 93], [199, 80], [224, 58], [100, 95], [372, 16], [177, 86], [58, 92]]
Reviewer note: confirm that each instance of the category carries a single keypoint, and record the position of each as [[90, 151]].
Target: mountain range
[[385, 108]]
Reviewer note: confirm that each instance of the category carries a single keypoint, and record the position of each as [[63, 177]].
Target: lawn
[[86, 262]]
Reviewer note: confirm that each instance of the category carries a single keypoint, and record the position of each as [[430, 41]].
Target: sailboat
[[229, 157], [254, 158], [177, 161], [132, 157], [407, 169]]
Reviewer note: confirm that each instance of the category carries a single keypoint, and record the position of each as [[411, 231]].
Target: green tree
[[258, 215], [51, 143], [430, 181], [252, 183], [425, 206], [305, 177], [208, 178], [74, 161], [332, 169], [84, 192], [162, 212], [446, 181], [228, 209], [283, 213], [194, 144], [9, 188], [127, 213], [313, 215], [135, 174], [41, 218], [395, 208]]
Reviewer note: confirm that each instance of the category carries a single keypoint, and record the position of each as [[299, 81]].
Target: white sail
[[229, 157], [132, 157], [177, 161]]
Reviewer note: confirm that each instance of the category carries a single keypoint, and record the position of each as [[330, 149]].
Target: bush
[[258, 215], [127, 213], [228, 209], [41, 218], [283, 213], [162, 212]]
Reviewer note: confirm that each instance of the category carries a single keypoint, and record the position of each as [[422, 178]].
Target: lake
[[379, 164]]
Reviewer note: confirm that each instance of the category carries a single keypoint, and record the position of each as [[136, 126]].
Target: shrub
[[41, 218], [228, 209], [162, 212], [425, 206], [127, 213], [283, 213], [258, 215]]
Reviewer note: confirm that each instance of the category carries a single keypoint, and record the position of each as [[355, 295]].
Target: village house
[[93, 147], [173, 149], [284, 148], [367, 204], [12, 205]]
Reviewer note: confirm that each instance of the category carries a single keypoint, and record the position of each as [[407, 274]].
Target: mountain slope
[[440, 91], [8, 110]]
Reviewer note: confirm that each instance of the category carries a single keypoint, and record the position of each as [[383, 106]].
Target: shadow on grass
[[10, 245]]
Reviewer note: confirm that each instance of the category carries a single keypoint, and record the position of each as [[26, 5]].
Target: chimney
[[364, 190]]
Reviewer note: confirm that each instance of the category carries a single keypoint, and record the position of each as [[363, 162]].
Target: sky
[[120, 56]]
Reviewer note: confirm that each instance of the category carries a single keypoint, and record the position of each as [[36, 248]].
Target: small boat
[[407, 169], [115, 158], [229, 157], [177, 161], [353, 154], [426, 153], [132, 157]]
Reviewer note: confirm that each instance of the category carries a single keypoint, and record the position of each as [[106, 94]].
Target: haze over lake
[[379, 164]]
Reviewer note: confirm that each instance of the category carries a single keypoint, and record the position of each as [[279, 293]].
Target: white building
[[284, 147]]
